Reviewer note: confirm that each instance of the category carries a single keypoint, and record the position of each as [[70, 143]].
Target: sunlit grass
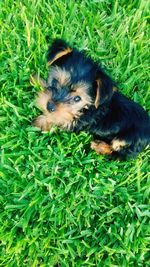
[[61, 204]]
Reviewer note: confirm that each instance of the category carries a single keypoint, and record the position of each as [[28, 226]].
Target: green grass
[[61, 204]]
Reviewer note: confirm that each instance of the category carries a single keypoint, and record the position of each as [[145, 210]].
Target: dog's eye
[[51, 107], [54, 83], [77, 98]]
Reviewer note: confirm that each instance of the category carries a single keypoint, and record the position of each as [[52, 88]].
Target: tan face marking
[[81, 89], [60, 75], [65, 113], [63, 116], [42, 99]]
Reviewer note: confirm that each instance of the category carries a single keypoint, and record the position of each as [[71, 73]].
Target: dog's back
[[132, 122]]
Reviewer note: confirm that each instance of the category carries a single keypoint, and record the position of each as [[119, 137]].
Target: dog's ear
[[57, 50], [104, 90]]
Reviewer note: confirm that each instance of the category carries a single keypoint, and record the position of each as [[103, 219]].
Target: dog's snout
[[51, 106]]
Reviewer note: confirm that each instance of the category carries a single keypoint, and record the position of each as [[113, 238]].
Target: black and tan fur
[[79, 95]]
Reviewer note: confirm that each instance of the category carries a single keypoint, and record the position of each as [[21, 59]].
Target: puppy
[[78, 95]]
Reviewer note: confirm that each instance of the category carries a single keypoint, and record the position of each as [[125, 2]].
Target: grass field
[[61, 204]]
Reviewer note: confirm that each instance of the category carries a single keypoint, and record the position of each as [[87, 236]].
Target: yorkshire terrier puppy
[[79, 95]]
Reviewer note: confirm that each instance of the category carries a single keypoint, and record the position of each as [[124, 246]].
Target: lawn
[[60, 203]]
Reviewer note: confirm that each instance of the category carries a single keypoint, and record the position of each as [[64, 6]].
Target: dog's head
[[75, 84]]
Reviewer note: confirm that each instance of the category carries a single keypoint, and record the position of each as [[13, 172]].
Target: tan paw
[[117, 144], [101, 147], [42, 123]]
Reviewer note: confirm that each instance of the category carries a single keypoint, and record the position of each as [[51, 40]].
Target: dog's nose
[[51, 107]]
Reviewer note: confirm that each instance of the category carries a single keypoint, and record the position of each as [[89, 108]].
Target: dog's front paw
[[101, 147], [42, 123]]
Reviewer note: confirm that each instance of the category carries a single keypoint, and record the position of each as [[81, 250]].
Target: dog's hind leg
[[101, 147]]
